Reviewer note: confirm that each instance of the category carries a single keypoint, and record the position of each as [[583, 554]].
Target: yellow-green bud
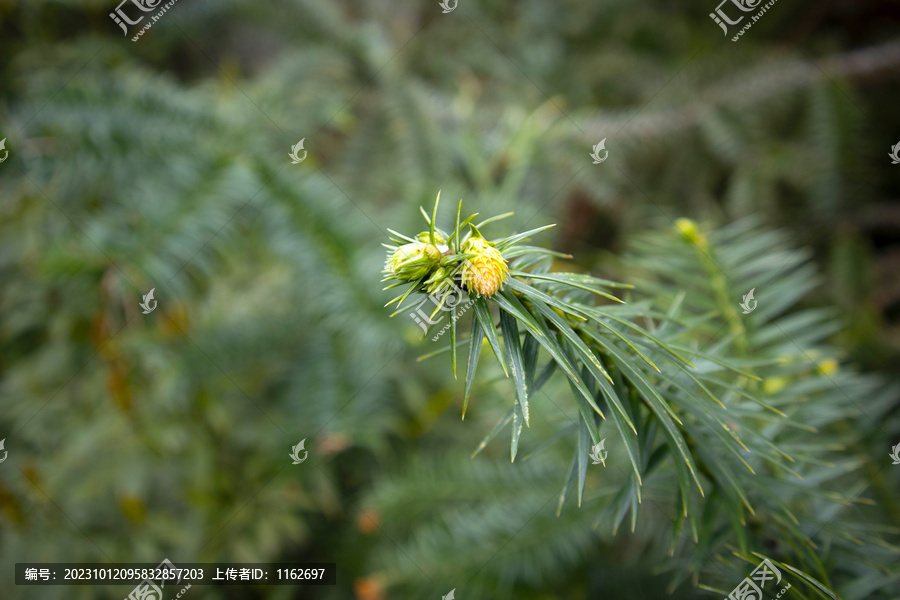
[[486, 271], [829, 366], [413, 261], [690, 231], [440, 238], [774, 384]]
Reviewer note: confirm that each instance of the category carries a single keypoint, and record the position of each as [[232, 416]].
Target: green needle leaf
[[589, 359], [495, 218], [524, 250], [456, 231], [515, 362], [627, 432], [511, 304], [656, 402], [434, 218], [558, 278], [587, 413], [401, 236], [530, 348], [497, 428], [584, 449], [587, 354], [476, 341], [483, 314], [518, 419], [573, 470], [513, 239], [820, 589], [453, 338]]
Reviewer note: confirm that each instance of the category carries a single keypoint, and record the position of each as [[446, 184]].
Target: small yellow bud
[[690, 231], [774, 384], [486, 271], [829, 366], [412, 261]]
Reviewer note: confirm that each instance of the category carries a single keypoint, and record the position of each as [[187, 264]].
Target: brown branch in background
[[752, 87]]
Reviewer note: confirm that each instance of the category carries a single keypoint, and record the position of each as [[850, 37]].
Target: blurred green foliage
[[163, 164]]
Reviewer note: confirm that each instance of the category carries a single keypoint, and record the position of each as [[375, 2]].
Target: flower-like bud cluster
[[480, 266], [413, 261], [485, 273]]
